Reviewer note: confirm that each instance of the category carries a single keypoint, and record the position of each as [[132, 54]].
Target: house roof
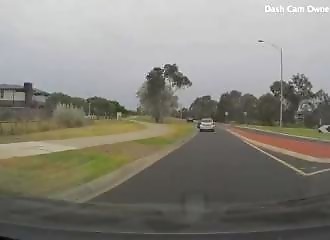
[[10, 86], [20, 87]]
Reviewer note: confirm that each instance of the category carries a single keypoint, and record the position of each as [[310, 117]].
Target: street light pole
[[281, 70], [281, 108]]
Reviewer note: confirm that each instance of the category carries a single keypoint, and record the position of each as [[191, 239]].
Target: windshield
[[207, 120], [207, 109]]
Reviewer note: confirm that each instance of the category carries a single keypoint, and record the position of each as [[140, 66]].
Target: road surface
[[221, 169]]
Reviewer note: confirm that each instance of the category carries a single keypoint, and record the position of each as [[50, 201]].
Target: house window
[[2, 93]]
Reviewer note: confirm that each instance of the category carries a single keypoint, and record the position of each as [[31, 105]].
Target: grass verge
[[168, 120], [304, 132], [179, 130], [43, 175], [98, 128]]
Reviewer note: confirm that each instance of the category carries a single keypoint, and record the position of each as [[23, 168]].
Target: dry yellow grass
[[98, 128]]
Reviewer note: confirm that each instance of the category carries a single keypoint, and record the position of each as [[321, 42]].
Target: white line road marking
[[318, 172], [246, 141], [277, 159]]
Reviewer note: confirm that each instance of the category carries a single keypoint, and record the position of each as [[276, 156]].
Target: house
[[307, 106], [22, 96]]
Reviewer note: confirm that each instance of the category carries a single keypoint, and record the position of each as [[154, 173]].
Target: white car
[[324, 129], [207, 124]]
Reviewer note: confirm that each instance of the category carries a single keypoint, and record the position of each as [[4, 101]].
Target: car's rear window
[[207, 120]]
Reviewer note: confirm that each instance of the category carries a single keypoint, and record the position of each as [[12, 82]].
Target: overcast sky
[[106, 47]]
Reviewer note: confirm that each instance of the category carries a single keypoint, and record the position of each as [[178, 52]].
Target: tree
[[249, 105], [184, 112], [321, 96], [157, 93], [290, 99], [234, 107], [302, 86], [235, 111], [101, 106], [299, 88], [57, 98], [223, 106], [322, 112], [288, 89], [310, 120], [117, 107], [164, 104], [268, 109], [175, 77], [203, 107], [235, 104], [78, 102]]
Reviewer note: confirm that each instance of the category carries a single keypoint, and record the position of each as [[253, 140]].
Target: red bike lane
[[302, 146]]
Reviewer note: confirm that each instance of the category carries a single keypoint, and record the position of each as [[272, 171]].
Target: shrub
[[69, 116], [6, 114], [310, 120]]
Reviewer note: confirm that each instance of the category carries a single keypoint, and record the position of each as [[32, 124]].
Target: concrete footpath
[[44, 147], [300, 148]]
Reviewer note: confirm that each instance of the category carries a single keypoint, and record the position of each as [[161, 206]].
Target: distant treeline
[[95, 105], [300, 105]]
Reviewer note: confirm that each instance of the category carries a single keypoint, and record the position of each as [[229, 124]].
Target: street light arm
[[275, 46], [271, 44]]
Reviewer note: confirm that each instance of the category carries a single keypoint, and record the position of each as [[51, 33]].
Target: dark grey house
[[12, 95]]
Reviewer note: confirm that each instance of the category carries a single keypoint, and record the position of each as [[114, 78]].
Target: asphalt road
[[221, 169]]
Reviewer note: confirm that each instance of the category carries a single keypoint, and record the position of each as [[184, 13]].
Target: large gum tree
[[157, 94]]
